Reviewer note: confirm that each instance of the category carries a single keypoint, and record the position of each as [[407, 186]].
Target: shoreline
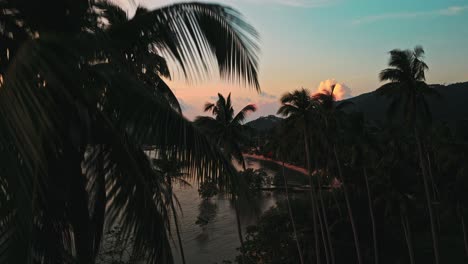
[[286, 165], [335, 183]]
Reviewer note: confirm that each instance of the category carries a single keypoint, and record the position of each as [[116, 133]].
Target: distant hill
[[451, 106], [264, 123]]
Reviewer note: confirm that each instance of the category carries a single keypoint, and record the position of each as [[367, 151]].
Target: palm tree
[[280, 144], [225, 129], [395, 200], [81, 92], [228, 131], [330, 112], [363, 156], [297, 107], [408, 90], [171, 171]]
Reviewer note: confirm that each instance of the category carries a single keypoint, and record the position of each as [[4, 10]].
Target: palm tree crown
[[225, 128], [297, 103], [406, 84]]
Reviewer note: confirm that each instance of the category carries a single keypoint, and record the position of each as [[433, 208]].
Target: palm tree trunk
[[312, 194], [239, 228], [329, 254], [435, 241], [322, 231], [176, 223], [334, 197], [371, 211], [429, 164], [434, 189], [462, 220], [348, 205], [465, 239], [299, 250], [181, 248], [407, 232]]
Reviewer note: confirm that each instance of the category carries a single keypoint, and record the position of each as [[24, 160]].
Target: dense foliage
[[402, 193], [82, 94]]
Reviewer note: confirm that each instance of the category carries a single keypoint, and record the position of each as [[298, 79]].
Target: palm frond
[[392, 75], [287, 98], [209, 107], [163, 88], [208, 125], [149, 120], [287, 110], [135, 196], [240, 117], [190, 32], [400, 59]]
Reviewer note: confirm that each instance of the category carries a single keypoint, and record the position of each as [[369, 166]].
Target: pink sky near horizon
[[304, 43], [193, 97]]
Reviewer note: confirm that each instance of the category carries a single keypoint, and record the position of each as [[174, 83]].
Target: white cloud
[[341, 91], [267, 95], [449, 11], [453, 10]]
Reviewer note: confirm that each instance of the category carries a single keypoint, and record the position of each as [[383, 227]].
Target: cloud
[[449, 11], [342, 91], [243, 100], [185, 106], [267, 95]]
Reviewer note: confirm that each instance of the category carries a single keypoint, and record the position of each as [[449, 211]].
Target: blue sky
[[305, 42]]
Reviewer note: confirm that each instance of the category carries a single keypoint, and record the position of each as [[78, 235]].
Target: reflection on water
[[208, 227], [207, 213]]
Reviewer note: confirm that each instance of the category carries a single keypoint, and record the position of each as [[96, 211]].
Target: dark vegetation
[[83, 103], [92, 140], [399, 154]]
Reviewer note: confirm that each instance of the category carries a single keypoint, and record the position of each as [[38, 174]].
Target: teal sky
[[304, 42]]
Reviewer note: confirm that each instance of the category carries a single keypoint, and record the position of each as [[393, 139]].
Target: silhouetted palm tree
[[227, 131], [408, 89], [297, 107], [171, 169], [281, 147], [80, 93], [363, 156], [329, 111], [397, 203]]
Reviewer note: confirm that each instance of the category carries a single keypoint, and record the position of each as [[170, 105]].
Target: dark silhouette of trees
[[81, 94]]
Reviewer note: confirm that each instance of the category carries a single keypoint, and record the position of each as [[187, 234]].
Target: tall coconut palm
[[297, 107], [171, 170], [408, 90], [397, 201], [329, 112], [80, 94], [363, 156], [281, 146], [227, 131]]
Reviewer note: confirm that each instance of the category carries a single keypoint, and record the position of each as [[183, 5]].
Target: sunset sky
[[308, 43]]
